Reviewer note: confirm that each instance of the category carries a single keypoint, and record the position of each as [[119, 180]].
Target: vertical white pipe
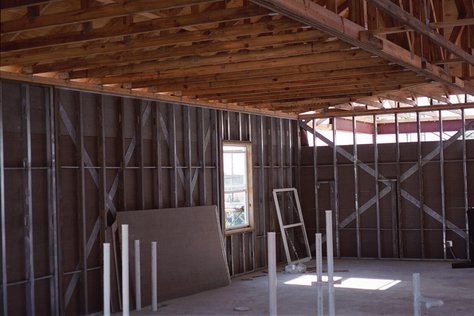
[[272, 277], [106, 279], [416, 295], [330, 261], [138, 290], [319, 273], [125, 281], [154, 277]]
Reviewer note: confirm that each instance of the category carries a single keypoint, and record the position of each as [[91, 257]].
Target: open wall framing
[[70, 160], [393, 200]]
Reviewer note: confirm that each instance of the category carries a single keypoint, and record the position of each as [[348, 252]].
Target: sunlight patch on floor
[[349, 283]]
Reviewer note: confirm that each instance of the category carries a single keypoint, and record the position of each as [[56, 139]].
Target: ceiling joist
[[407, 19], [297, 56], [312, 14]]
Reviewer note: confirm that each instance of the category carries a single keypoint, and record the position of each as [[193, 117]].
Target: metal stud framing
[[420, 185], [261, 188], [356, 185], [336, 187], [441, 183], [4, 279], [28, 202], [465, 183], [377, 189], [82, 219], [120, 150], [315, 175], [399, 235], [438, 213]]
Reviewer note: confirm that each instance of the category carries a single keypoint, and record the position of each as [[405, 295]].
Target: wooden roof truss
[[268, 56]]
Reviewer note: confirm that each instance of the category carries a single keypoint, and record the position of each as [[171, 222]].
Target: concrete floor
[[368, 287]]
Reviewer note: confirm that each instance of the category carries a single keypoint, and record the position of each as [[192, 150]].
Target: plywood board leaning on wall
[[191, 256]]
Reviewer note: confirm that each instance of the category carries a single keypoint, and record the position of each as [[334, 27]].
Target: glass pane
[[296, 243], [235, 186], [236, 211], [288, 207]]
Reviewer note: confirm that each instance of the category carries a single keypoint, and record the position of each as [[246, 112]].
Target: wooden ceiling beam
[[308, 92], [371, 103], [10, 4], [398, 99], [140, 94], [208, 82], [93, 13], [433, 25], [183, 76], [315, 83], [334, 113], [97, 47], [315, 90], [312, 14], [289, 108], [407, 19], [301, 104], [160, 24], [283, 56], [448, 24], [163, 53], [430, 95]]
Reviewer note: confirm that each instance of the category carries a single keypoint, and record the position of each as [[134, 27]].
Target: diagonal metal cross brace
[[343, 152], [110, 196], [180, 171], [129, 152], [434, 153], [75, 278], [403, 177], [433, 214], [166, 137], [87, 159]]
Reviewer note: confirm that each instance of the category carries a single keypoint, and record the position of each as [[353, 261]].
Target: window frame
[[249, 187]]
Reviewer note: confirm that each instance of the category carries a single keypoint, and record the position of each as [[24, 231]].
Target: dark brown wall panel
[[405, 230], [126, 158]]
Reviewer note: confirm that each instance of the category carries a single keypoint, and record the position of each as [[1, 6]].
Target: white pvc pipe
[[272, 277], [416, 295], [106, 279], [125, 281], [138, 290], [419, 299], [319, 273], [154, 277], [330, 261]]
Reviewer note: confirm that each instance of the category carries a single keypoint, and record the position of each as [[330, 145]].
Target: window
[[237, 186]]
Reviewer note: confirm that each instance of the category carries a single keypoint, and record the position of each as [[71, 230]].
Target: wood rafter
[[155, 25], [335, 113], [175, 52], [418, 26], [433, 25], [93, 13], [314, 15], [284, 56], [246, 79], [62, 51]]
